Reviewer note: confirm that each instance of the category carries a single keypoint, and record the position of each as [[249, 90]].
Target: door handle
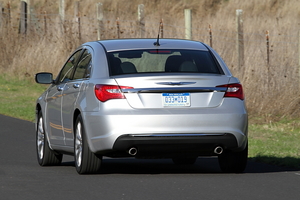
[[76, 85], [60, 88]]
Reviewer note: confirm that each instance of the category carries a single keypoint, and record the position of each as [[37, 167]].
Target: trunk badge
[[175, 83]]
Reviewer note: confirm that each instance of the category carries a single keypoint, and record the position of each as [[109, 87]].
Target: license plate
[[176, 99]]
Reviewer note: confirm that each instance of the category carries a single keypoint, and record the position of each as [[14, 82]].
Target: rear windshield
[[162, 61]]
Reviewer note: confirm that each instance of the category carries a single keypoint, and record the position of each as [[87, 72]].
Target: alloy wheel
[[78, 144], [40, 139]]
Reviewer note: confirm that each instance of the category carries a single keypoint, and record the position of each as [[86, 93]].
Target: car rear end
[[176, 99]]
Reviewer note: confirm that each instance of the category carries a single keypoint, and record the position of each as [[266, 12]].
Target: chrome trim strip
[[177, 135], [175, 90], [175, 83]]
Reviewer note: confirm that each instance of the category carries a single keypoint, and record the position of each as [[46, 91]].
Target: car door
[[71, 92], [54, 101]]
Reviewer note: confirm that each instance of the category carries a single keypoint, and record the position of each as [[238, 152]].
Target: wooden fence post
[[188, 23], [29, 15], [1, 14], [240, 40], [299, 56], [268, 58], [76, 10], [79, 27], [77, 18], [161, 28], [8, 20], [45, 22], [118, 27], [141, 20], [210, 35], [100, 20], [268, 47], [62, 14], [23, 18], [62, 10]]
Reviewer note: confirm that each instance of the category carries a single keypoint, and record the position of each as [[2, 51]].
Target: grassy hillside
[[272, 91]]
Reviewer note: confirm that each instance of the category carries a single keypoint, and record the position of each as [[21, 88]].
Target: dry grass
[[272, 93]]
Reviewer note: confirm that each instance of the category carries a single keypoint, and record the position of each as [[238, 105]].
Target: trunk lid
[[174, 91]]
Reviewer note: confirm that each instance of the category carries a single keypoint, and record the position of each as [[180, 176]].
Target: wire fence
[[264, 59], [232, 44]]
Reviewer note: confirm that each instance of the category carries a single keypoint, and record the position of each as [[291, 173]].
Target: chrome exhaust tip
[[132, 151], [218, 150]]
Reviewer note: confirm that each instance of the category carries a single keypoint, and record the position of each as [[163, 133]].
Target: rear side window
[[83, 66], [162, 61], [66, 73]]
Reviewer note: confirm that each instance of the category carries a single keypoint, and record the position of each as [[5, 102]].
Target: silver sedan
[[142, 98]]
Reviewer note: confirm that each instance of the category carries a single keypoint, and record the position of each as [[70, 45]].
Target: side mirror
[[44, 78]]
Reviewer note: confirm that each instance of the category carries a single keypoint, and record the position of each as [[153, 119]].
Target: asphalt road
[[22, 178]]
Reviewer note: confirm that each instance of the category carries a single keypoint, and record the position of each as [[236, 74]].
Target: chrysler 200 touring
[[142, 98]]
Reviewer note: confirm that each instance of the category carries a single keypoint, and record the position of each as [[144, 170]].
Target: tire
[[184, 160], [86, 162], [45, 155], [233, 162]]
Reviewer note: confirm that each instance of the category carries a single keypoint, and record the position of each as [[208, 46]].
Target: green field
[[18, 97], [275, 142], [269, 142]]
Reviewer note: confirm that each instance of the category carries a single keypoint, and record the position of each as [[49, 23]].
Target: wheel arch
[[75, 115], [77, 112], [38, 109]]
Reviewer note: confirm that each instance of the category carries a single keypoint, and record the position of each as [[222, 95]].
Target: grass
[[269, 142], [275, 143], [18, 97]]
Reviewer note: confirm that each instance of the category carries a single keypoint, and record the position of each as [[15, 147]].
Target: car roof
[[131, 44]]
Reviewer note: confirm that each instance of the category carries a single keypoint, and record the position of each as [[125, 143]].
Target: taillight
[[107, 92], [233, 90]]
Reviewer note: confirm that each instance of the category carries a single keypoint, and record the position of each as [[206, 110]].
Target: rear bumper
[[109, 127], [165, 145]]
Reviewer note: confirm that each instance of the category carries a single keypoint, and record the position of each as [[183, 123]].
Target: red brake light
[[233, 90], [160, 51], [107, 92]]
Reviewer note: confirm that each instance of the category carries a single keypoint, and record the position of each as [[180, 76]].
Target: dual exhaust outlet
[[218, 150], [133, 151]]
